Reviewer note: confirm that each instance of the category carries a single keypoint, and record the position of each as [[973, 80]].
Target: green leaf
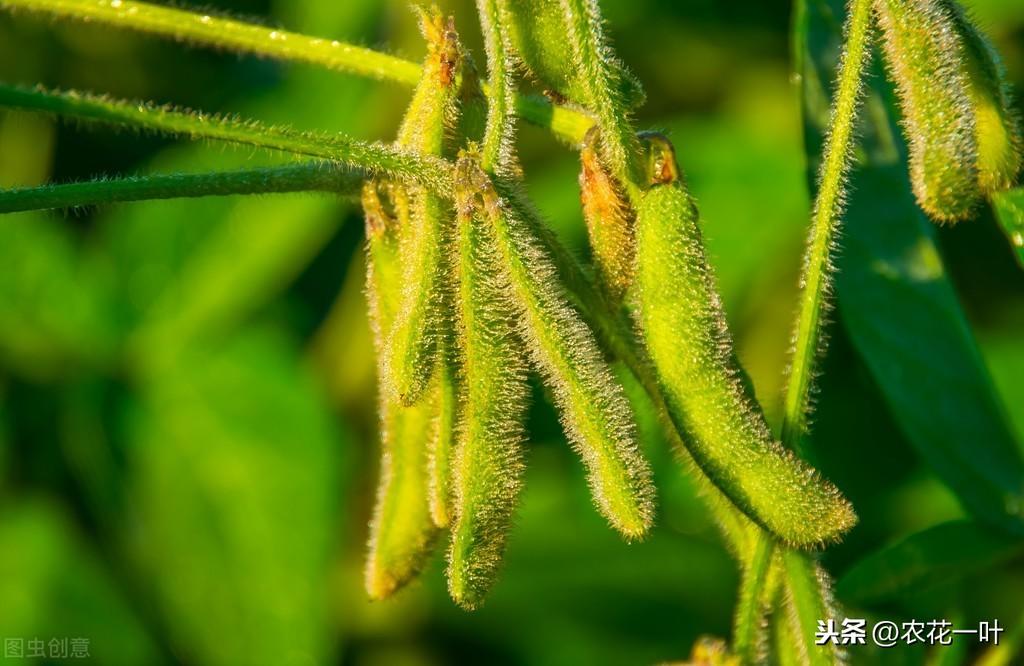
[[55, 588], [940, 554], [900, 310], [234, 487], [52, 309], [1009, 207]]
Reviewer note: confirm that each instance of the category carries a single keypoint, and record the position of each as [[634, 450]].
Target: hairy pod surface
[[537, 32], [924, 54], [593, 407], [488, 464], [444, 434], [609, 219], [410, 358], [997, 124], [401, 530], [686, 335]]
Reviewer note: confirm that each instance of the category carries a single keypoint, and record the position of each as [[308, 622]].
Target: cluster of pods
[[469, 294]]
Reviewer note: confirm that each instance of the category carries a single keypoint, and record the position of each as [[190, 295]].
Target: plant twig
[[496, 155], [825, 221], [305, 177], [376, 158], [750, 623], [233, 35]]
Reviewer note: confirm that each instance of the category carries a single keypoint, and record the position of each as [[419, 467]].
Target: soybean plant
[[468, 291]]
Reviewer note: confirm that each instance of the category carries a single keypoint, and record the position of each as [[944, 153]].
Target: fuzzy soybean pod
[[923, 54], [997, 125], [594, 410], [685, 332], [410, 356], [488, 464], [447, 388], [401, 530], [609, 219]]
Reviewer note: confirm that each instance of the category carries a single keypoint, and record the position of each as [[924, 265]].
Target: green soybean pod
[[401, 531], [488, 464], [444, 433], [997, 124], [609, 219], [923, 56], [685, 333], [410, 357], [595, 413]]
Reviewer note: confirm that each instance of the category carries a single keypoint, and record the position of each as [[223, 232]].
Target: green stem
[[496, 151], [825, 221], [229, 34], [750, 623], [377, 158], [306, 177]]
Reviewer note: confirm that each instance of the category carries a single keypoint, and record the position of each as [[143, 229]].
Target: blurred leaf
[[52, 310], [235, 486], [1009, 207], [901, 312], [940, 554], [53, 588], [251, 256]]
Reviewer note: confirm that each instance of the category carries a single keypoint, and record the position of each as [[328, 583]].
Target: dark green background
[[187, 445]]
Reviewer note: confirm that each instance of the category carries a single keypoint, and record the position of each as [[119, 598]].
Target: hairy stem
[[496, 152], [828, 208], [305, 177], [377, 158], [229, 34], [748, 631]]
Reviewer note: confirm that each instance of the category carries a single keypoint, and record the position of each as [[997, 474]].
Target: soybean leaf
[[899, 308], [233, 484], [54, 588], [940, 554], [1009, 207], [52, 310]]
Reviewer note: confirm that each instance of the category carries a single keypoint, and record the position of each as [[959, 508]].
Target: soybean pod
[[592, 404], [401, 530], [488, 463], [684, 328]]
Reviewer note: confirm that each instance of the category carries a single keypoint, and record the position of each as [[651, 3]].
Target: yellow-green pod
[[923, 54], [488, 464], [401, 531], [609, 220], [538, 34], [444, 433], [410, 357], [997, 125], [686, 335], [593, 407]]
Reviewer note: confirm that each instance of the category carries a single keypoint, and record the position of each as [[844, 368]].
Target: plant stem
[[750, 611], [229, 34], [306, 177], [825, 220], [377, 158], [496, 154]]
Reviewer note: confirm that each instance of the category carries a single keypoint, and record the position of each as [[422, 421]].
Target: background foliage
[[187, 445]]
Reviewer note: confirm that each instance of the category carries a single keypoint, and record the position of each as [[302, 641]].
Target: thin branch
[[828, 209], [233, 35], [496, 153], [305, 177], [376, 158]]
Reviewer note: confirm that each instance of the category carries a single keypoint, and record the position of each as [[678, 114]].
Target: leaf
[[902, 315], [55, 588], [52, 309], [1009, 208], [234, 478], [941, 554]]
